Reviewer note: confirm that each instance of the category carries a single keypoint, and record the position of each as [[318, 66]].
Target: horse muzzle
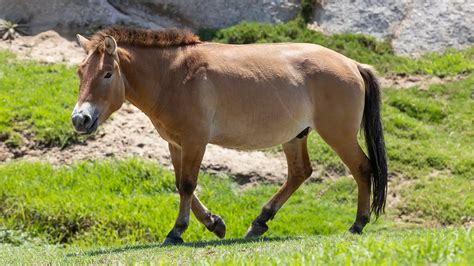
[[85, 118]]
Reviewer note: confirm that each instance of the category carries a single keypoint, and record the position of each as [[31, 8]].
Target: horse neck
[[145, 73]]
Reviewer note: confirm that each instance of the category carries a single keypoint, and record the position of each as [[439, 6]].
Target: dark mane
[[143, 37]]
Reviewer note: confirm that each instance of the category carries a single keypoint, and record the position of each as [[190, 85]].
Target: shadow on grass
[[197, 244]]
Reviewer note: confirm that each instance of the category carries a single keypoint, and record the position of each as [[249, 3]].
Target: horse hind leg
[[348, 149], [299, 169]]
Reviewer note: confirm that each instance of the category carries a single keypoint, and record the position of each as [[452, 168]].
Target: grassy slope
[[36, 100], [444, 247], [123, 202]]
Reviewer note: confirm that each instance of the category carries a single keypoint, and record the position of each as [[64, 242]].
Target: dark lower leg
[[354, 158], [214, 223], [363, 200], [259, 225], [186, 182], [182, 222], [299, 169]]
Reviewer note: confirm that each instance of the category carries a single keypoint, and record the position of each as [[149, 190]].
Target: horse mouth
[[92, 128], [85, 118], [88, 129]]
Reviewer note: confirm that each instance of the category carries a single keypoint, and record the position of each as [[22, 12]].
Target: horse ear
[[110, 45], [83, 41]]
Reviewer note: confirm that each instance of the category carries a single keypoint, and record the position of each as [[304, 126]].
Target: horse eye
[[108, 75]]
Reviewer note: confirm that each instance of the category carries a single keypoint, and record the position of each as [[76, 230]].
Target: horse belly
[[262, 124]]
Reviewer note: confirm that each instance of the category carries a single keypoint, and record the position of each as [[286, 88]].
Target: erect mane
[[143, 37]]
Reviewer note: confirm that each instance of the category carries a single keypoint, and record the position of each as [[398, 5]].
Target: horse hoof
[[173, 241], [256, 230], [219, 228], [356, 229]]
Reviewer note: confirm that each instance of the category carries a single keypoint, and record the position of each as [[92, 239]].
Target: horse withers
[[237, 96]]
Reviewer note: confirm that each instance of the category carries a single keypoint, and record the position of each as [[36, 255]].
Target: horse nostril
[[77, 120], [86, 120], [81, 121]]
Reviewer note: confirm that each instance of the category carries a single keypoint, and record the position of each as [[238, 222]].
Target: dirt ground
[[46, 47], [420, 81], [130, 133]]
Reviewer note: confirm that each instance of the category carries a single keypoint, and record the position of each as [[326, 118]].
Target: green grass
[[429, 137], [131, 201], [431, 130], [364, 49], [420, 247], [36, 101], [442, 199], [428, 133]]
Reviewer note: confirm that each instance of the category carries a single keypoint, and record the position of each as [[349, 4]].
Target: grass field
[[131, 201], [120, 210], [410, 247], [36, 100]]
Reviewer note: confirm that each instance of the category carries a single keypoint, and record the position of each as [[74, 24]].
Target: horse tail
[[373, 131]]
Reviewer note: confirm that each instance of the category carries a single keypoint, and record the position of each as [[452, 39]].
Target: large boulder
[[414, 26], [64, 15], [212, 13]]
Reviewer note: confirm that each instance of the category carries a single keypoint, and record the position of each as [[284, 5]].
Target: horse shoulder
[[195, 65]]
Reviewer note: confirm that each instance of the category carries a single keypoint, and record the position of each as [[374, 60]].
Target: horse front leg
[[213, 222], [191, 158]]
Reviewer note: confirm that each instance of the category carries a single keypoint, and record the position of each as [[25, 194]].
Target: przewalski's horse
[[237, 96]]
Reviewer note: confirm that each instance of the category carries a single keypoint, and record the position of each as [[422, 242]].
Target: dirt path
[[46, 47], [421, 81], [130, 133]]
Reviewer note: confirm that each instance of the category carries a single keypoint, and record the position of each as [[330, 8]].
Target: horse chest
[[165, 134]]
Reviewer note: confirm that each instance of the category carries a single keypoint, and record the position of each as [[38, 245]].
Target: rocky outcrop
[[414, 26], [212, 13], [64, 15]]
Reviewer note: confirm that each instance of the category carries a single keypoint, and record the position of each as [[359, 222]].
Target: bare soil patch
[[46, 47], [131, 133], [421, 81]]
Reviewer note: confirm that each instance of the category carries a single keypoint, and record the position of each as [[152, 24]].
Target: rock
[[71, 15], [67, 15], [413, 26], [212, 13]]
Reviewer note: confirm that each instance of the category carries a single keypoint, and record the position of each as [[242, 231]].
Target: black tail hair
[[374, 139]]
